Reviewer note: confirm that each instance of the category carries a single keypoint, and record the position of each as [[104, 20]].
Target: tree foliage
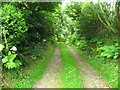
[[23, 26], [92, 26]]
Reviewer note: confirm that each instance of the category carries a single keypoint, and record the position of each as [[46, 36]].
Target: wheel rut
[[91, 79], [51, 78]]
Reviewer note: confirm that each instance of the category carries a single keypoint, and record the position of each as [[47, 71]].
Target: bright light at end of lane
[[65, 2]]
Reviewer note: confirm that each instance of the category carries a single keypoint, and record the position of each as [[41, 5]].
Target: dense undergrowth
[[25, 77], [70, 74]]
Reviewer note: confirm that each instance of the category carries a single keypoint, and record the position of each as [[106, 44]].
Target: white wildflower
[[14, 49]]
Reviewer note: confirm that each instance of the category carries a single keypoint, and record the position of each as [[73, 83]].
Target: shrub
[[13, 29], [13, 24], [109, 51], [10, 61]]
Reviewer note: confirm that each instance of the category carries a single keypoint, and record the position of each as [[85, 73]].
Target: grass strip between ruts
[[70, 75]]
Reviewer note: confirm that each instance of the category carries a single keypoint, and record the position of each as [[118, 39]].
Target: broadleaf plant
[[10, 61]]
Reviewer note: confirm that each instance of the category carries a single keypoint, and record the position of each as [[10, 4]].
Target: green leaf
[[5, 59], [18, 63], [1, 47], [9, 53], [115, 57], [9, 58], [12, 57], [10, 65]]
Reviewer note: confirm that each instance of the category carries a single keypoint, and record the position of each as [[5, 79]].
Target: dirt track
[[51, 78], [91, 79]]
